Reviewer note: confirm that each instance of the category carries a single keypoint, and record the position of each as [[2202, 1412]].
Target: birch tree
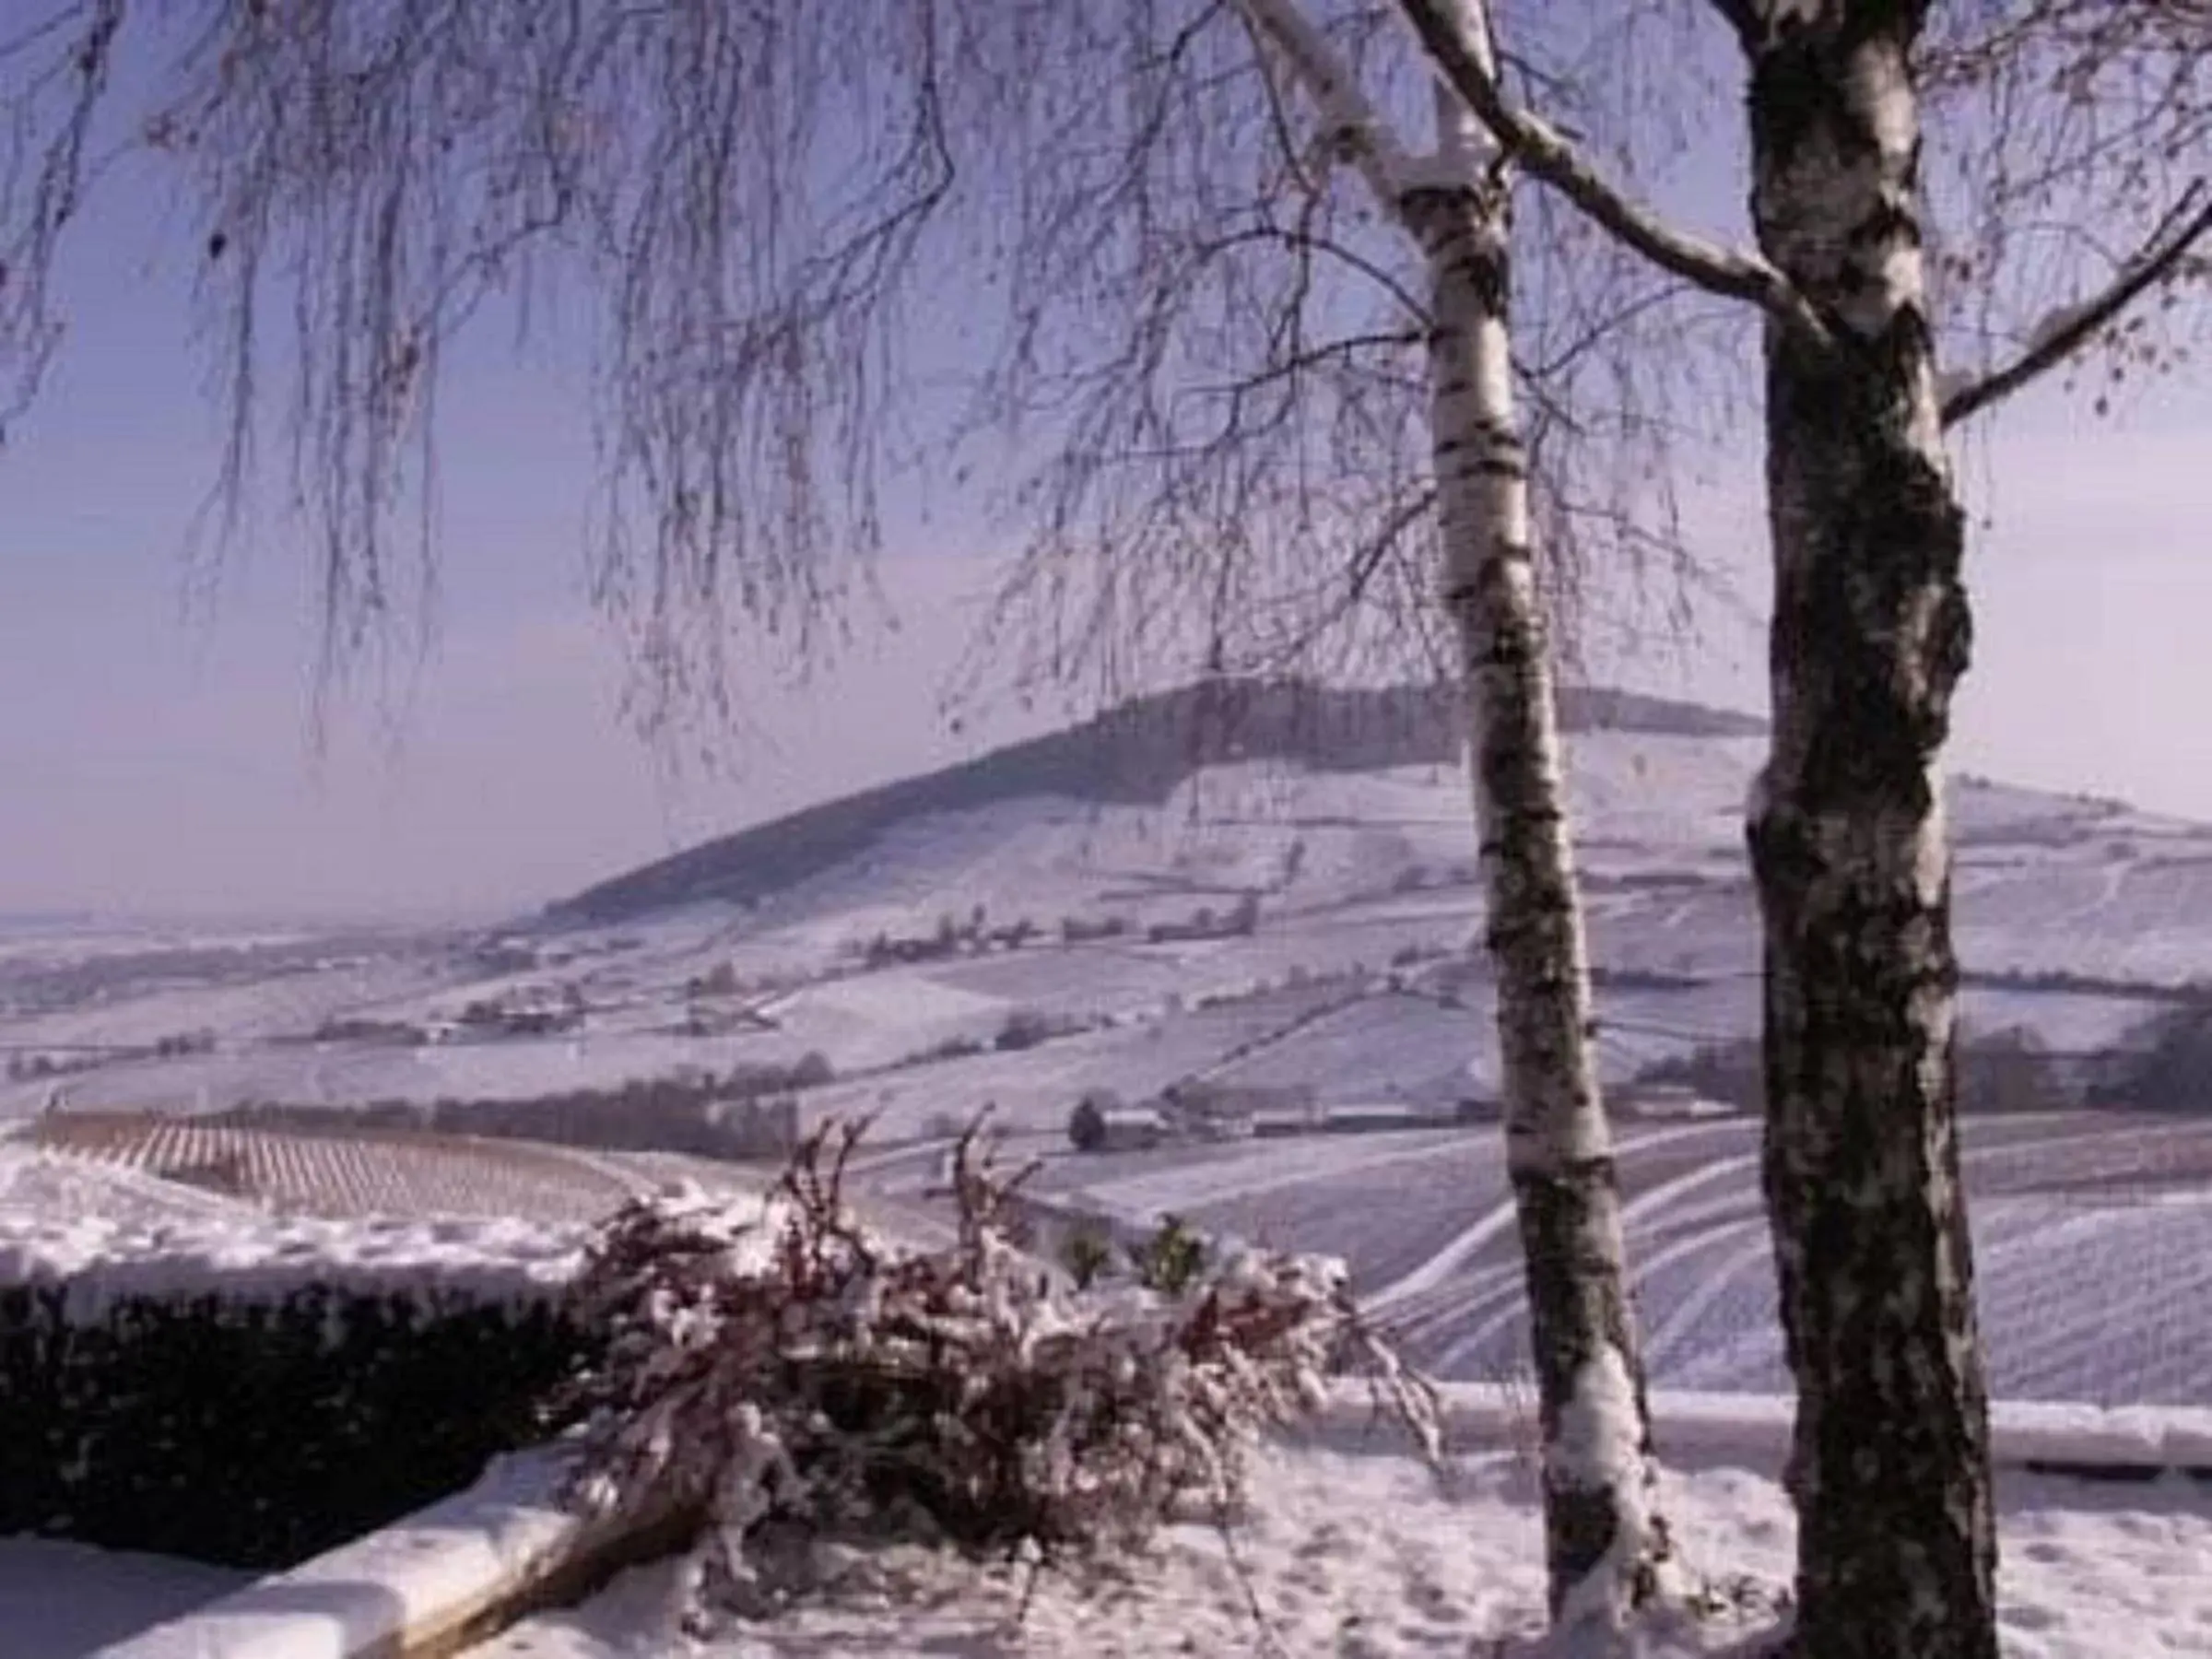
[[1606, 1545], [1889, 1467], [1260, 340]]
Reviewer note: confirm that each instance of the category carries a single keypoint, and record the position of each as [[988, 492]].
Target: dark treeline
[[750, 1112]]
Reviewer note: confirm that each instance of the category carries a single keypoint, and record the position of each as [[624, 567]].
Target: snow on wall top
[[102, 1259]]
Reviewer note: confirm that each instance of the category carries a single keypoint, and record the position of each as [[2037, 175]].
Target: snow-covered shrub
[[791, 1369]]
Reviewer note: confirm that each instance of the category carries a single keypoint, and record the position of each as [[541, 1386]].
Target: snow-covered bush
[[790, 1369]]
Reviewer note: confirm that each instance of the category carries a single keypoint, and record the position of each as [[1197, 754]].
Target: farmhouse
[[1209, 1109], [1101, 1123], [1671, 1101], [1373, 1119]]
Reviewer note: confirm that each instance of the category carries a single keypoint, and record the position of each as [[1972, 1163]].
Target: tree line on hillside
[[2164, 1063], [1999, 1071], [751, 1112]]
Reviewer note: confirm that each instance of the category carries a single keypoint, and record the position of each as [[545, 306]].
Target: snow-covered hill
[[1139, 753], [1170, 891]]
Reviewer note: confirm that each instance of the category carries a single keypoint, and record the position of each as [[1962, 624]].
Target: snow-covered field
[[353, 1175], [2093, 1230], [1359, 1553], [1356, 982], [2093, 1233]]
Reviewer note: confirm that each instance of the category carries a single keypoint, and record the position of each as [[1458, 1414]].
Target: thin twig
[[2162, 251]]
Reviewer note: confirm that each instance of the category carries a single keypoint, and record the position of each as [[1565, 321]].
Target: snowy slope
[[2093, 1239], [1348, 826]]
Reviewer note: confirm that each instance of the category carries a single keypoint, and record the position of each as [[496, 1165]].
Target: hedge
[[257, 1434], [252, 1392]]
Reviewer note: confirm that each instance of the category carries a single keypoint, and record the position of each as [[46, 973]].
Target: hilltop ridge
[[1138, 753]]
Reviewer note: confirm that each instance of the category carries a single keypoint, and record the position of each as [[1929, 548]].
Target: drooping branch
[[58, 72], [1551, 157], [2073, 327], [763, 203]]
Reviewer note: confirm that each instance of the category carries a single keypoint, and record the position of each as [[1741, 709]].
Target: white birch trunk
[[1606, 1545], [1890, 1465]]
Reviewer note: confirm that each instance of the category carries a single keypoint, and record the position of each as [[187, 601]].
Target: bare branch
[[1401, 537], [1598, 333], [2079, 124], [64, 65], [1551, 157], [1303, 240], [2076, 325], [1150, 256]]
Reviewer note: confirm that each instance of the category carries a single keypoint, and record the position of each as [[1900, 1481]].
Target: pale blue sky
[[153, 761], [155, 740]]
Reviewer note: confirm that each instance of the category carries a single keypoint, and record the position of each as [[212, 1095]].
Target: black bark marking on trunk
[[1480, 260], [1853, 627]]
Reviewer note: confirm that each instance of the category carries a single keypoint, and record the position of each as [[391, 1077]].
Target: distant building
[[1216, 1111], [1670, 1100], [1369, 1119], [1101, 1123], [1135, 1129]]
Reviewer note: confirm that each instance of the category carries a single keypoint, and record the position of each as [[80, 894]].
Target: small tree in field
[[1087, 1126]]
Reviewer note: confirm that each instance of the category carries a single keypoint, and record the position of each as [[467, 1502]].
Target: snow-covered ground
[[1359, 1553], [59, 1600], [37, 1188]]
